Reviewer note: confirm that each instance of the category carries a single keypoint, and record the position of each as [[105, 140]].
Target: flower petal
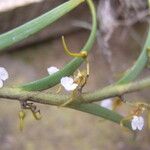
[[107, 103], [3, 74], [68, 83], [134, 122], [1, 83], [72, 87], [140, 123], [52, 70]]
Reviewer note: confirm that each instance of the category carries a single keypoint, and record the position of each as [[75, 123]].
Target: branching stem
[[55, 99]]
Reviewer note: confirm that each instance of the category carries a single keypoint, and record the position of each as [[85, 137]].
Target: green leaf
[[97, 110], [69, 68], [22, 32], [139, 65]]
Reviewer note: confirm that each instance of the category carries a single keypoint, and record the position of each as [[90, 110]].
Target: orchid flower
[[3, 76], [68, 83], [137, 123], [107, 103], [52, 70]]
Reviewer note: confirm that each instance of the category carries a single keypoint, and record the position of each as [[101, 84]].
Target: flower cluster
[[137, 122], [3, 76], [66, 82]]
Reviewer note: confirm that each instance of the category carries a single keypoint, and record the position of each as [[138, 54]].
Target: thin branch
[[81, 103], [53, 99]]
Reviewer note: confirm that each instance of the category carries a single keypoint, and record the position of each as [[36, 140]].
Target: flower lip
[[68, 83], [107, 103], [137, 123], [3, 74], [52, 70]]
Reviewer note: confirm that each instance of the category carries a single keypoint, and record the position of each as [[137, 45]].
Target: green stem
[[69, 68], [78, 104], [81, 102], [139, 64], [22, 32], [56, 99], [101, 112], [117, 90]]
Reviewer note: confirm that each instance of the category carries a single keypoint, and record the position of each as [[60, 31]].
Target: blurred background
[[120, 37]]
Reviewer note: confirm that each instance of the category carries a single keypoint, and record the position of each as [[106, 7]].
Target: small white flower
[[68, 83], [52, 70], [107, 103], [137, 123], [3, 74]]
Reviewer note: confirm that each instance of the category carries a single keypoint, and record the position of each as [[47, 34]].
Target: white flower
[[107, 103], [3, 76], [137, 123], [52, 70], [68, 83]]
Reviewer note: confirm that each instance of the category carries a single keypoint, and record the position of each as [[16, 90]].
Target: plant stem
[[22, 32], [55, 99], [80, 103], [69, 68]]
